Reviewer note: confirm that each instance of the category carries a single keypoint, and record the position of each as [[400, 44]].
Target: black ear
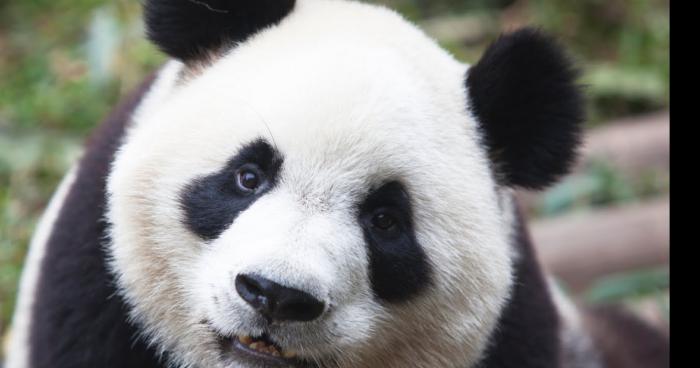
[[191, 29], [524, 94]]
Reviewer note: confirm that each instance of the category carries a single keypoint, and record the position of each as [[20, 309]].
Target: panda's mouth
[[263, 349], [262, 346]]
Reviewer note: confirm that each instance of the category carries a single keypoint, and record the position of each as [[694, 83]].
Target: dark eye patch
[[211, 203], [398, 266]]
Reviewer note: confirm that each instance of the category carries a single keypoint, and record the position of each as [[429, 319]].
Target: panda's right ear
[[192, 29]]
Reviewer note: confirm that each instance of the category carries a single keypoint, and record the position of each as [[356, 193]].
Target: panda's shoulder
[[69, 282]]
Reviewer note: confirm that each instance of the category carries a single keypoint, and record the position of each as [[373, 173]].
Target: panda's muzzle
[[277, 303]]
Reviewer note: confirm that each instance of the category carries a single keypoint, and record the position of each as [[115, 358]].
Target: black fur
[[523, 92], [78, 319], [212, 203], [527, 335], [398, 265], [190, 29]]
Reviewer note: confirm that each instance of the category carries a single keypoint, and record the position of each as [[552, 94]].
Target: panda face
[[325, 197], [352, 196]]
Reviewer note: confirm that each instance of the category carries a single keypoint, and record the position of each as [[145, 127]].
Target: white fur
[[352, 96], [18, 347], [161, 89]]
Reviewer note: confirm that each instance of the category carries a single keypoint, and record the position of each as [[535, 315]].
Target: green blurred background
[[63, 64]]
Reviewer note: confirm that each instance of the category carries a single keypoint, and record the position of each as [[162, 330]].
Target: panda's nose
[[276, 302]]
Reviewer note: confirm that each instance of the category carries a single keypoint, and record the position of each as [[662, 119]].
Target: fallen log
[[581, 247], [633, 145]]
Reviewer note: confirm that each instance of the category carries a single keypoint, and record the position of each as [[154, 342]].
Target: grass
[[64, 63]]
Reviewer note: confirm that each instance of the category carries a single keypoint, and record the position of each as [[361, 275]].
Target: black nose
[[276, 302]]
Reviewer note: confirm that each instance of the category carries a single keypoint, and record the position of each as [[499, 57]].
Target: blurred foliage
[[644, 291], [623, 286], [64, 63], [625, 44], [597, 185]]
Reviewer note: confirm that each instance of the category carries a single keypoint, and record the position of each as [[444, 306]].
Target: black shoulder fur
[[78, 319]]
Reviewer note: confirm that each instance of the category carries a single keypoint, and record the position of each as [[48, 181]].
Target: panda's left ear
[[189, 30], [530, 110]]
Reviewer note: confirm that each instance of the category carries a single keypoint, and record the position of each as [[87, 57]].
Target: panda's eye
[[248, 179], [384, 221], [385, 214]]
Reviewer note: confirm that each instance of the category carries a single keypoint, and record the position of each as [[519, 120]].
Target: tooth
[[255, 345], [247, 340]]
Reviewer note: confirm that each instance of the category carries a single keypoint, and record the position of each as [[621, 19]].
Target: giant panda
[[316, 183]]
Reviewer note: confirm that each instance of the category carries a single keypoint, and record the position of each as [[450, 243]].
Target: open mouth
[[262, 349], [262, 346]]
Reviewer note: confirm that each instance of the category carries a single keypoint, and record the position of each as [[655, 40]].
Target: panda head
[[321, 179]]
